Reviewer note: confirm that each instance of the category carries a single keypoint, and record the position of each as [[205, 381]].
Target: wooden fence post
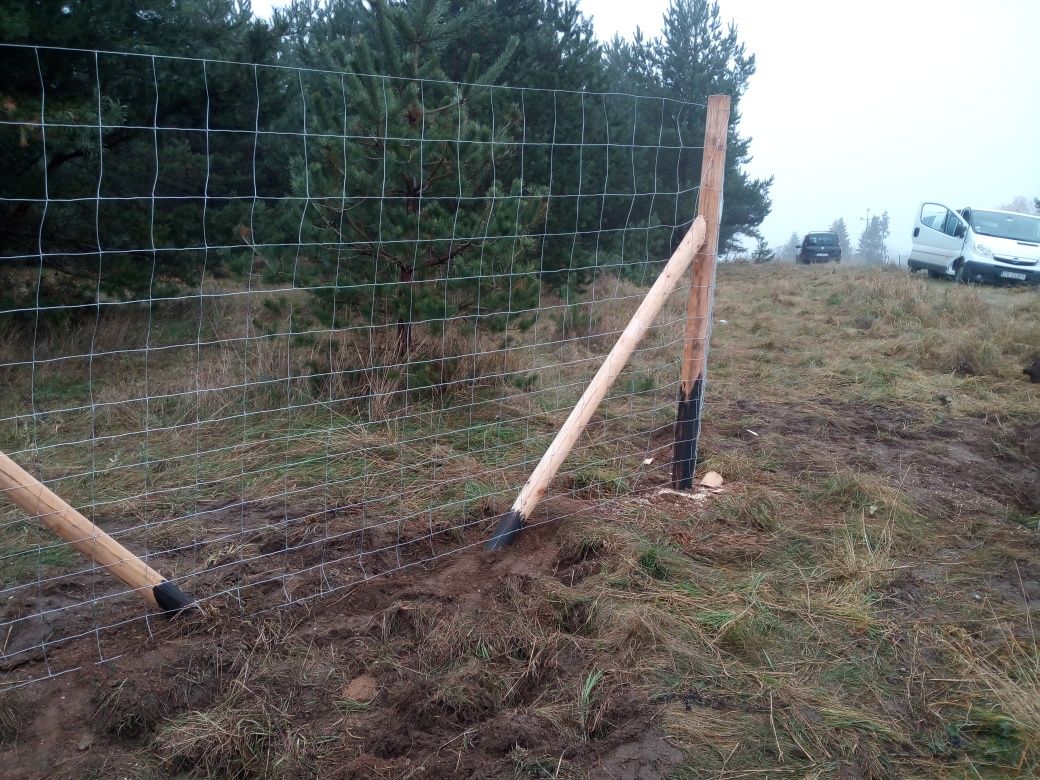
[[538, 483], [698, 305]]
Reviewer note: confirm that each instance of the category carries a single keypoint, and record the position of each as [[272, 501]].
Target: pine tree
[[696, 56], [762, 252], [556, 49], [838, 226], [419, 226], [872, 242], [126, 164], [790, 250]]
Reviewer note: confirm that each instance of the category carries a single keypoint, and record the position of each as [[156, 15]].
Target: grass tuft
[[12, 718], [588, 696], [243, 741]]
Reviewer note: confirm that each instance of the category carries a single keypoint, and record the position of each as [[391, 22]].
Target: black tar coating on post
[[687, 431], [171, 599], [508, 527]]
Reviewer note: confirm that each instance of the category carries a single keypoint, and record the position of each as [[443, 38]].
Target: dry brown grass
[[247, 730], [875, 335], [1000, 691], [839, 610], [12, 719]]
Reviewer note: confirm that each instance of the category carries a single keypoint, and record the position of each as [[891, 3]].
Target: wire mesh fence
[[279, 330]]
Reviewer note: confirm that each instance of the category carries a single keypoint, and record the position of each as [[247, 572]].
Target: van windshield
[[1017, 227], [821, 239]]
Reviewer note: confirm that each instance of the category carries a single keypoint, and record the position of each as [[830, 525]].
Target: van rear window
[[821, 239]]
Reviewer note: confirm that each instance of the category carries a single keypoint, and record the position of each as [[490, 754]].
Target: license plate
[[824, 254], [1012, 275]]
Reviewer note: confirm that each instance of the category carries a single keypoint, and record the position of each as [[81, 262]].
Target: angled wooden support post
[[698, 305], [39, 501], [513, 520]]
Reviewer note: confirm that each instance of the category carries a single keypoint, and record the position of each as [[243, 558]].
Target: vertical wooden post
[[698, 305]]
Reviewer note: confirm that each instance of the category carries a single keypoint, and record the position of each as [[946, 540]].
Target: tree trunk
[[404, 321]]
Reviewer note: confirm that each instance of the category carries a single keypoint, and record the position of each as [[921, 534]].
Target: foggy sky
[[878, 104]]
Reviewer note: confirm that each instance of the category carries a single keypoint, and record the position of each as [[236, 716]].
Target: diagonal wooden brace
[[37, 500], [536, 485]]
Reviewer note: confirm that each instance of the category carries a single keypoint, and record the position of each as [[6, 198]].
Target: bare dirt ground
[[954, 464], [455, 669], [329, 670]]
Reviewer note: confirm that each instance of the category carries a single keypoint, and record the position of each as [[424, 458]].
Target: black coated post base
[[508, 527], [171, 599]]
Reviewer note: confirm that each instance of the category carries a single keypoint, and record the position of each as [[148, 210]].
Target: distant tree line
[[1023, 205], [872, 246], [873, 241]]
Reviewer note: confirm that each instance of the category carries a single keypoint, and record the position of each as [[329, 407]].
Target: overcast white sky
[[879, 104]]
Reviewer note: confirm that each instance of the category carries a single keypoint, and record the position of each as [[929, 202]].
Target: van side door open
[[938, 237]]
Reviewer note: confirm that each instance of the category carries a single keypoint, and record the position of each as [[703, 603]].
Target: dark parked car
[[821, 247]]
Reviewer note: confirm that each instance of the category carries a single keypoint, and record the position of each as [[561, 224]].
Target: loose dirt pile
[[470, 667]]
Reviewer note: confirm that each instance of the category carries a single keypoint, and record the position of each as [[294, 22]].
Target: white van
[[976, 245]]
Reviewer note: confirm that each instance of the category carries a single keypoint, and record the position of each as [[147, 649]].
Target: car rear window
[[821, 239]]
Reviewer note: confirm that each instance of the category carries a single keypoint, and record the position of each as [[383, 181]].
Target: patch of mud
[[959, 465], [1018, 583], [468, 666]]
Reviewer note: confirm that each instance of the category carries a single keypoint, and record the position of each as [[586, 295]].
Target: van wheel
[[961, 275], [934, 275]]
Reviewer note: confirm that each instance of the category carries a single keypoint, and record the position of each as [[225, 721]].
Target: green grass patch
[[28, 552]]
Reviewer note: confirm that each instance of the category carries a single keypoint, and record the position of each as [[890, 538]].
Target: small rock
[[712, 479], [85, 742], [362, 688]]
